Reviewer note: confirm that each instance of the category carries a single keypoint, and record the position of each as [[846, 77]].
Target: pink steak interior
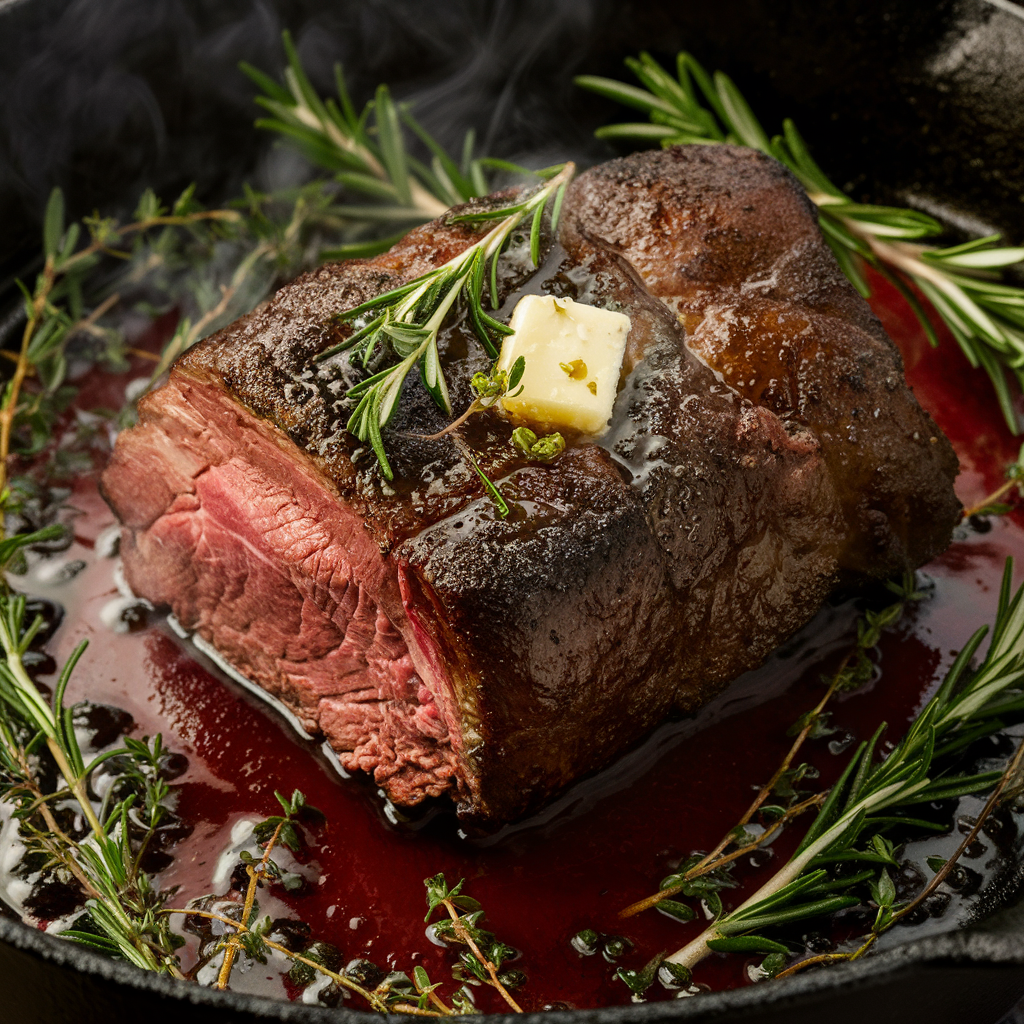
[[223, 521]]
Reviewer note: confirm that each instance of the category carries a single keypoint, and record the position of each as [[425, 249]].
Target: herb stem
[[184, 340], [417, 1011], [65, 844], [75, 784], [997, 495], [255, 874], [709, 863], [422, 201], [464, 936], [474, 407], [9, 407], [372, 998], [990, 805], [433, 997], [44, 719], [822, 958]]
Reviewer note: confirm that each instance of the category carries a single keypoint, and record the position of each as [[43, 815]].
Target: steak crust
[[764, 449]]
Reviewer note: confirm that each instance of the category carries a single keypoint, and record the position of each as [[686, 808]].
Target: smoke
[[107, 97]]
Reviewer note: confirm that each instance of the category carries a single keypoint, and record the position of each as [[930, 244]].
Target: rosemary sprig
[[984, 314], [854, 671], [333, 136], [410, 317], [884, 893], [366, 153], [121, 902], [965, 707]]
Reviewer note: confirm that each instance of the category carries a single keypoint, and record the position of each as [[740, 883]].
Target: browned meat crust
[[764, 446]]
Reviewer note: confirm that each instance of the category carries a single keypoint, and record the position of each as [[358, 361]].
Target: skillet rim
[[996, 942]]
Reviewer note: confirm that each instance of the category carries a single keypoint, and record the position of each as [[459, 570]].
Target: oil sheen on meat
[[764, 450]]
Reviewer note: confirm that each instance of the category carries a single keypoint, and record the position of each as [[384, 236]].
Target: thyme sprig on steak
[[961, 282], [410, 317]]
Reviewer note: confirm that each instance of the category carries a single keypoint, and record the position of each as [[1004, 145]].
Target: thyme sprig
[[996, 504], [54, 306], [961, 282], [411, 316], [486, 954], [860, 806], [489, 387], [276, 829], [396, 992]]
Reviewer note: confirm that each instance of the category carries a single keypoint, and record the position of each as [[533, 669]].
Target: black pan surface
[[917, 103]]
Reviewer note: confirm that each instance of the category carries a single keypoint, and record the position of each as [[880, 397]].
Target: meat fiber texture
[[764, 450]]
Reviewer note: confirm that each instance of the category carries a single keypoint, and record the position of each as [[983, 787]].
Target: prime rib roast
[[764, 450]]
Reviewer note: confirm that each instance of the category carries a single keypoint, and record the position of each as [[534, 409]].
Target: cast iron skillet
[[913, 102]]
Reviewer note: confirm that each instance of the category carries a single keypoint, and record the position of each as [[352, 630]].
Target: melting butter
[[573, 356]]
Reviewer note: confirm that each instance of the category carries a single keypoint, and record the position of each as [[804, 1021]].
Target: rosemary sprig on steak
[[984, 314], [410, 317]]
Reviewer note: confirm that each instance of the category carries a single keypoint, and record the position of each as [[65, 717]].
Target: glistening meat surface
[[764, 449]]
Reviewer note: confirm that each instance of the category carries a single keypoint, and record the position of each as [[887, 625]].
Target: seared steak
[[764, 449]]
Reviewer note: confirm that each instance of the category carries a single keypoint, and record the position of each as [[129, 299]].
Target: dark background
[[105, 97]]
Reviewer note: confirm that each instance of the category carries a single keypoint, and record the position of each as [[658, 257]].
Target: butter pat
[[573, 356]]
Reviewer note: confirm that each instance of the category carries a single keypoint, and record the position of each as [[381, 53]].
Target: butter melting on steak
[[764, 448]]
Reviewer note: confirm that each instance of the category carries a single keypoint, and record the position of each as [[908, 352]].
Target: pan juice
[[601, 846]]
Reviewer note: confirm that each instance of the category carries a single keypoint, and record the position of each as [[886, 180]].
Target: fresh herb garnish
[[996, 503], [486, 955], [705, 876], [281, 829], [410, 317], [984, 314], [543, 449], [54, 306], [122, 908], [854, 813], [124, 916]]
